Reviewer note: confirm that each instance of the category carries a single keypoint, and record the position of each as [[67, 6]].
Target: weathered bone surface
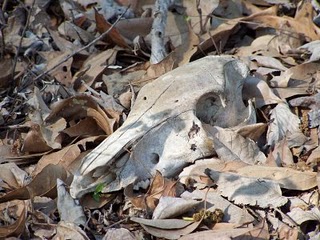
[[165, 130]]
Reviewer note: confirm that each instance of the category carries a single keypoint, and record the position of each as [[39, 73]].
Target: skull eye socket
[[207, 108], [154, 158]]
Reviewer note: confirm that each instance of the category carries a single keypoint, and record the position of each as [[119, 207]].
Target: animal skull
[[165, 130]]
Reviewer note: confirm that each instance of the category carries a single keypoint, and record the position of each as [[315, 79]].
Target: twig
[[158, 51], [21, 39], [199, 10], [83, 48], [4, 5]]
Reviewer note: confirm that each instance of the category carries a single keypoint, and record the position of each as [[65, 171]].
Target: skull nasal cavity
[[207, 108], [154, 158]]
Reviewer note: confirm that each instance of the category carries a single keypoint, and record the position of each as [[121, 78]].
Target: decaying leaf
[[248, 190], [69, 211], [231, 146], [286, 177], [170, 207], [44, 184], [167, 228], [284, 123]]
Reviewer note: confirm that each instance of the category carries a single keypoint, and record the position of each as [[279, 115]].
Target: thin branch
[[21, 39], [158, 51], [83, 48]]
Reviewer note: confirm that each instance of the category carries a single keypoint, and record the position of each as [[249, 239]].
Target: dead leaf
[[78, 107], [13, 176], [114, 36], [284, 123], [286, 177], [69, 157], [118, 234], [211, 199], [170, 207], [67, 230], [248, 190], [44, 184], [18, 227], [167, 228], [93, 68], [231, 146], [69, 211]]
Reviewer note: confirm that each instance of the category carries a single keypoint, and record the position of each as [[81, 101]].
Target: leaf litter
[[70, 74]]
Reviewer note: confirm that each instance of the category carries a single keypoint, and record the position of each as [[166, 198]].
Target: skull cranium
[[165, 130]]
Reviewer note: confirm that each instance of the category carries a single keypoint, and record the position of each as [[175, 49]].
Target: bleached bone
[[165, 130]]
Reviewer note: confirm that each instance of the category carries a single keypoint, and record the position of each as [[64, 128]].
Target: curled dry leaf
[[159, 187], [114, 36], [283, 123], [259, 90], [44, 184], [231, 146], [300, 216], [69, 157], [92, 69], [81, 106], [170, 207], [68, 230], [21, 212], [13, 176]]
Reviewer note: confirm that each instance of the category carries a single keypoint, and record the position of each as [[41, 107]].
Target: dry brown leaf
[[114, 36], [34, 141], [62, 73], [285, 177], [44, 184], [69, 157], [301, 80], [92, 69], [6, 67], [13, 176], [84, 128], [67, 230], [81, 106], [131, 28], [159, 187], [18, 227]]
